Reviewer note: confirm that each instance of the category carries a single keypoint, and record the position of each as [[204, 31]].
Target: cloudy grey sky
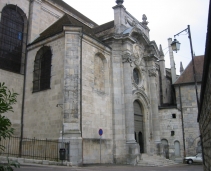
[[166, 18]]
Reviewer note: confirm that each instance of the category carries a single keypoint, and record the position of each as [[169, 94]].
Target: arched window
[[11, 38], [42, 69]]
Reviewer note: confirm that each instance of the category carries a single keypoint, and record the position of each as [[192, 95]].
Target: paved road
[[179, 167]]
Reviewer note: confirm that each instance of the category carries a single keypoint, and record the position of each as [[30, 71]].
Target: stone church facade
[[74, 77]]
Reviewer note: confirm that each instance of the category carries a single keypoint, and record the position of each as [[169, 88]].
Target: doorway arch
[[139, 125], [177, 148], [165, 148]]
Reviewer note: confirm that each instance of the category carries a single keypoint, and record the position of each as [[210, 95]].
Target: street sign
[[100, 132]]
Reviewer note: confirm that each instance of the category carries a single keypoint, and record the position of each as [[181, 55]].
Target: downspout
[[183, 133], [24, 82], [81, 93]]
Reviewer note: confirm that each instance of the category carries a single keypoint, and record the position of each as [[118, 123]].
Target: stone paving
[[180, 167]]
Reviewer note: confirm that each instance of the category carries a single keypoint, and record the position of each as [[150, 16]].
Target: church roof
[[187, 76], [57, 27], [104, 27], [73, 11]]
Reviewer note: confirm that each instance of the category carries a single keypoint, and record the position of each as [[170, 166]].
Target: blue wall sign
[[100, 132]]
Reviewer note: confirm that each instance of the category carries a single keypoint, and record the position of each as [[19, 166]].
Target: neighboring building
[[71, 72], [186, 95], [204, 117]]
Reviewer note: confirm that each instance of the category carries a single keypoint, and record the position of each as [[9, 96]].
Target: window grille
[[11, 39], [42, 69]]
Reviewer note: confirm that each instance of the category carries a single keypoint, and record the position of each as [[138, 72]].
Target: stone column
[[133, 149], [129, 111], [154, 100], [71, 93]]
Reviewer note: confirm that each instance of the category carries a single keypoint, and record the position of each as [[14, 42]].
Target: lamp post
[[176, 46]]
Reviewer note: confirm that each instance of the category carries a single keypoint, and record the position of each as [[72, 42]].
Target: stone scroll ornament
[[127, 58], [152, 72], [132, 23]]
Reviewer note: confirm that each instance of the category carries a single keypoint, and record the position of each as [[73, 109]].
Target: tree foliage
[[7, 99]]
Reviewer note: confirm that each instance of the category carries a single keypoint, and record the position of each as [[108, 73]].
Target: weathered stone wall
[[190, 112], [96, 102], [205, 124], [168, 124], [14, 82], [42, 16], [42, 119]]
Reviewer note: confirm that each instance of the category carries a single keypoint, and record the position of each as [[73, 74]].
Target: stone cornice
[[119, 6], [45, 41], [150, 58], [119, 37], [71, 29]]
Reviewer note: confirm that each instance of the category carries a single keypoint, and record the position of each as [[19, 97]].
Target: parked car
[[194, 159]]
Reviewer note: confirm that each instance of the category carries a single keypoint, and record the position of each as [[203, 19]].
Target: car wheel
[[190, 161]]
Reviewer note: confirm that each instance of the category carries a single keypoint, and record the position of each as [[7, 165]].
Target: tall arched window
[[11, 38], [42, 69]]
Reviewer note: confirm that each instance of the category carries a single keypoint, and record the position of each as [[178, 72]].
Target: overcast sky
[[166, 18]]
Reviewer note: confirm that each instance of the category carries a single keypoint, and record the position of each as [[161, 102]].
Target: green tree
[[7, 99]]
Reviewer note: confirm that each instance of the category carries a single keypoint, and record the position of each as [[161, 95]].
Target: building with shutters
[[74, 75]]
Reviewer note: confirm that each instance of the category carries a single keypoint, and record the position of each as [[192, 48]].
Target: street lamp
[[176, 47]]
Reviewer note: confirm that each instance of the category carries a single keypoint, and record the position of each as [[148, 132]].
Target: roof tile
[[187, 75]]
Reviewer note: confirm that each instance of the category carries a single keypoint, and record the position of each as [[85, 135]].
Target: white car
[[194, 159]]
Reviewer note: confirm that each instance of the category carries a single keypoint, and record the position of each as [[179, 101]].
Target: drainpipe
[[24, 82], [183, 133], [81, 93]]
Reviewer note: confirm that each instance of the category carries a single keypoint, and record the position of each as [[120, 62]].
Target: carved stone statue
[[144, 18]]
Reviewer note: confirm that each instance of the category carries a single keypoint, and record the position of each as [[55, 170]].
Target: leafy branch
[[7, 99]]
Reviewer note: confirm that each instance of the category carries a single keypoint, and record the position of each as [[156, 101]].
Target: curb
[[24, 161]]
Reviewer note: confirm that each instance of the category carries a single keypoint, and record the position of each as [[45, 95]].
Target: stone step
[[154, 160]]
